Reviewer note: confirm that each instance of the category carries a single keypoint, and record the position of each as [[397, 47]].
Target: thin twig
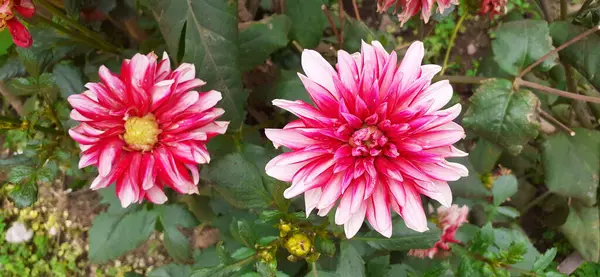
[[333, 27], [451, 45], [549, 117], [462, 79], [341, 14], [11, 99], [546, 10], [356, 13], [564, 6], [555, 50], [297, 46], [519, 82]]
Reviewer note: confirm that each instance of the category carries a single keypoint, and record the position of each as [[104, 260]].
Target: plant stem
[[314, 269], [106, 46], [546, 10], [548, 116], [558, 92], [535, 202], [462, 79], [452, 38], [341, 14], [333, 27], [356, 13], [563, 9], [565, 45]]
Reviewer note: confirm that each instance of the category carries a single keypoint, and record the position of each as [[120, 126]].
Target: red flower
[[146, 128], [25, 8], [449, 219], [493, 7], [410, 8]]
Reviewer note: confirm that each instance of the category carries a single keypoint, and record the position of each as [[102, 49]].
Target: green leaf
[[24, 86], [171, 270], [520, 43], [572, 164], [289, 87], [582, 55], [503, 116], [581, 229], [173, 217], [355, 32], [484, 156], [11, 67], [5, 41], [378, 266], [223, 270], [34, 60], [465, 268], [73, 7], [242, 231], [400, 270], [483, 239], [261, 39], [325, 246], [69, 79], [308, 21], [24, 194], [504, 187], [351, 263], [402, 238], [243, 253], [544, 260], [112, 235], [20, 173], [470, 186], [241, 185], [205, 33], [508, 211]]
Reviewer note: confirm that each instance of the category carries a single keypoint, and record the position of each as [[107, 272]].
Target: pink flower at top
[[146, 128], [375, 140], [410, 8], [493, 7], [8, 8], [449, 219]]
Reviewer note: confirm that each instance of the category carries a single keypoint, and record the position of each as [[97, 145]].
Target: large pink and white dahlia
[[410, 8], [146, 128], [376, 139]]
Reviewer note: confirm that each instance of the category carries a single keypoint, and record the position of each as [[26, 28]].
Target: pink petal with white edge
[[156, 195], [108, 155], [352, 226], [286, 165], [147, 168], [311, 198], [331, 191], [289, 138], [411, 63], [412, 211], [319, 70]]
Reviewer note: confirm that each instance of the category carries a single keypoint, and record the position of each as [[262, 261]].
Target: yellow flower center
[[298, 245], [141, 133]]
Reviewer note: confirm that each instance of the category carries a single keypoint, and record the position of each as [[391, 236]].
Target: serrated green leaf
[[402, 239], [484, 156], [582, 55], [210, 43], [69, 79], [544, 260], [223, 270], [378, 266], [20, 173], [242, 231], [242, 186], [11, 67], [572, 164], [503, 116], [171, 270], [112, 235], [325, 246], [24, 86], [308, 21], [465, 268], [243, 253], [581, 229], [261, 39], [267, 269], [351, 263], [483, 239], [504, 187], [24, 194], [520, 43], [173, 217]]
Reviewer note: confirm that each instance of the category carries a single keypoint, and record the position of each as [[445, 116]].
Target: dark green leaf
[[325, 246], [484, 156], [400, 270], [355, 32], [483, 239], [20, 173], [112, 235], [242, 231], [465, 268], [24, 194], [470, 186], [582, 55], [572, 164], [171, 270], [239, 181], [544, 260], [351, 263], [24, 86], [581, 229], [267, 269], [210, 43], [402, 238], [289, 87], [173, 217], [261, 39], [11, 67], [504, 187], [521, 43], [508, 211], [308, 21], [503, 116], [35, 62], [378, 266], [69, 79], [45, 175], [223, 270], [243, 253], [5, 41]]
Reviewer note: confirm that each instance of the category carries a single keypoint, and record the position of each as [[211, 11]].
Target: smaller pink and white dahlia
[[376, 140], [449, 220], [411, 7], [146, 128]]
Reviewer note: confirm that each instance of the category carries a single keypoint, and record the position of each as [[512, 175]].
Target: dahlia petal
[[342, 214], [185, 72], [87, 107], [195, 174], [286, 165], [441, 172], [88, 159], [149, 174], [173, 176], [446, 134], [319, 70], [412, 212], [112, 82], [352, 226], [127, 193], [311, 199], [322, 98], [331, 191], [325, 211], [358, 193], [310, 176], [302, 110], [25, 8], [440, 92], [184, 102], [156, 195], [411, 63], [207, 100], [381, 212], [348, 72], [289, 138], [437, 190], [101, 182], [160, 93], [163, 69], [77, 116], [108, 155], [81, 138]]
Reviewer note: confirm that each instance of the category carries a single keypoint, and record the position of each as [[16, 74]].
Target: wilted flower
[[493, 7], [19, 33], [411, 7], [18, 233], [146, 128], [376, 139], [449, 219]]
